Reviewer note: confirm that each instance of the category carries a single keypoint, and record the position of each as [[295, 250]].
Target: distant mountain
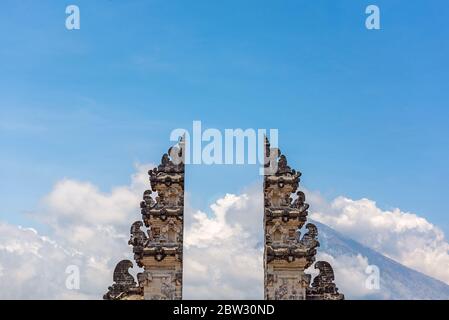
[[397, 281]]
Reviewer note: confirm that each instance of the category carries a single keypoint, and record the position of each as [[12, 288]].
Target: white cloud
[[89, 228], [234, 227], [223, 254], [77, 202], [223, 248], [402, 236], [29, 264]]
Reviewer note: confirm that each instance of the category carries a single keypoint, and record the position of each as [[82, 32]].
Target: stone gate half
[[157, 239], [287, 255]]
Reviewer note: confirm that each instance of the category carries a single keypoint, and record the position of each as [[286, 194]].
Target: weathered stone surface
[[124, 287], [323, 286], [287, 254]]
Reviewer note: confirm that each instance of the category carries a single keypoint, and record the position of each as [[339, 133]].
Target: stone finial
[[123, 282], [323, 286]]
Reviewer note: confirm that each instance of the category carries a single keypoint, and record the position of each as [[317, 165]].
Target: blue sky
[[361, 113]]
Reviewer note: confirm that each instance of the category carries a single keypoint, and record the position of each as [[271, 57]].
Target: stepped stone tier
[[287, 254], [157, 239]]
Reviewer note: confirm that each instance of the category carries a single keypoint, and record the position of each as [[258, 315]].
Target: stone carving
[[323, 286], [309, 239], [138, 237], [148, 201], [138, 240], [124, 286], [287, 255], [158, 249], [299, 203]]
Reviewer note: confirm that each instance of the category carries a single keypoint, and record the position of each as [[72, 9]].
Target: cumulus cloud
[[231, 233], [77, 202], [402, 236], [89, 229], [29, 264], [223, 247], [224, 253]]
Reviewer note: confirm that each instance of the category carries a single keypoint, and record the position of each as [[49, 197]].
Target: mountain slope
[[396, 280]]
